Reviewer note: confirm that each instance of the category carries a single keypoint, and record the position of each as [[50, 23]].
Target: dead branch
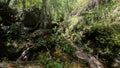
[[91, 4], [24, 54]]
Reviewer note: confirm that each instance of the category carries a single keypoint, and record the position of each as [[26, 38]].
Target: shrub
[[104, 41], [104, 37]]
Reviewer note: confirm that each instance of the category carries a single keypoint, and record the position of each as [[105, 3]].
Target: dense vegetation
[[60, 33]]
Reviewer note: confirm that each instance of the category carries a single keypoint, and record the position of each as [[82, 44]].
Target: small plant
[[4, 59], [54, 64]]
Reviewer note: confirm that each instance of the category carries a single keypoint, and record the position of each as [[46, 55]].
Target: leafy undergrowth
[[97, 31], [103, 41]]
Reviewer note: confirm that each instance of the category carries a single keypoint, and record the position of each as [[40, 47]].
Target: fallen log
[[80, 54]]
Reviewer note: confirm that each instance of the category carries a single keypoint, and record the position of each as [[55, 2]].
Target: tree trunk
[[44, 13]]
